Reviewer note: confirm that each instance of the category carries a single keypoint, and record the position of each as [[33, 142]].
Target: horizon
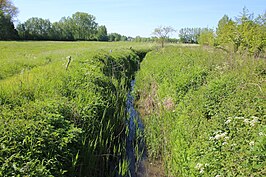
[[137, 18]]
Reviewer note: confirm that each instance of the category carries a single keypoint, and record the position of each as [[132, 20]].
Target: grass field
[[58, 121], [18, 56], [204, 111]]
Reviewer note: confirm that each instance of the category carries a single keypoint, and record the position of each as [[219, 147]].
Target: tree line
[[244, 34], [79, 26]]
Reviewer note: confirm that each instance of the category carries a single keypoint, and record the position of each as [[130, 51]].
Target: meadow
[[204, 111], [65, 121]]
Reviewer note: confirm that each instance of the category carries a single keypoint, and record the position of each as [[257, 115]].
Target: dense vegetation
[[204, 111], [58, 121], [7, 27], [246, 34], [80, 26], [190, 35], [62, 104]]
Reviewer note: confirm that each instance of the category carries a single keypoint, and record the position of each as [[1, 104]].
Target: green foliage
[[102, 34], [162, 33], [7, 29], [116, 37], [227, 35], [189, 35], [206, 37], [7, 13], [245, 35], [8, 9], [58, 122], [35, 29], [81, 26], [203, 111]]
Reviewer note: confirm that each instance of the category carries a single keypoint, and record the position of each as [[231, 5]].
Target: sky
[[140, 17]]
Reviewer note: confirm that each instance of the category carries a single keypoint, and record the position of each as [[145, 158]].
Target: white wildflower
[[218, 131], [261, 134], [254, 121], [199, 166], [246, 121], [224, 143], [228, 121], [252, 124], [218, 68], [201, 170], [218, 176], [251, 143], [220, 136]]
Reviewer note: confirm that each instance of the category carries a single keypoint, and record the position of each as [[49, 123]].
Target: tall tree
[[8, 8], [206, 37], [252, 33], [36, 29], [7, 29], [114, 37], [162, 33], [189, 35], [244, 16], [102, 34], [228, 36], [83, 26], [7, 12], [22, 32], [65, 26], [244, 35], [261, 19], [222, 23]]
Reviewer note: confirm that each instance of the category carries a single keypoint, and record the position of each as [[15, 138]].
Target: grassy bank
[[58, 121], [203, 111]]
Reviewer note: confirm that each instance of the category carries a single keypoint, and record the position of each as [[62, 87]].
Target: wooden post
[[68, 62]]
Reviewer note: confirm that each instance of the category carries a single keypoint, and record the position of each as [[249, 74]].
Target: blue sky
[[140, 17]]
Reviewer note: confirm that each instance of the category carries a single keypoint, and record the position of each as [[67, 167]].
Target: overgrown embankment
[[58, 122], [204, 111]]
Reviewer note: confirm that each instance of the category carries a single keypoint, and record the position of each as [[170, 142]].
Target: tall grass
[[17, 57], [204, 111], [58, 122]]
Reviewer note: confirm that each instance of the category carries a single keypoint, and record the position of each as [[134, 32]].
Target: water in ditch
[[139, 164], [135, 148]]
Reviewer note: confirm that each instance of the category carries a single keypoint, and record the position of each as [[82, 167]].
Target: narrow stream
[[135, 138]]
